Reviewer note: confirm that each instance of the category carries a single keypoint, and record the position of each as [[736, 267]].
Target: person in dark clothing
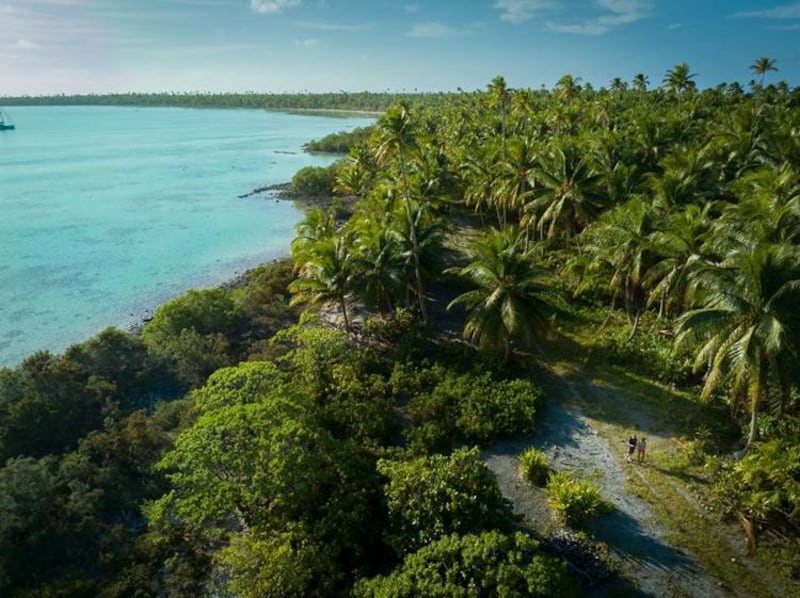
[[631, 448]]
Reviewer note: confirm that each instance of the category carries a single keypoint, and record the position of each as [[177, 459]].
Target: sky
[[98, 46]]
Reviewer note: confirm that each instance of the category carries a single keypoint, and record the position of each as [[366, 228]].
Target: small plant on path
[[575, 500], [533, 466]]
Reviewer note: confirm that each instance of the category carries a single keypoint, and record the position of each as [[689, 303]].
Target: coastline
[[326, 111]]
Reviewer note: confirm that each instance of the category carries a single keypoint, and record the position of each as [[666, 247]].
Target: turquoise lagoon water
[[106, 212]]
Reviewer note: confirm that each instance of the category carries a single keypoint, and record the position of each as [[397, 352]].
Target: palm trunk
[[756, 404], [635, 326], [414, 244], [343, 306], [610, 310]]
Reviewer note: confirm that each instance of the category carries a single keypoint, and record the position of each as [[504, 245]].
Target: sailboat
[[5, 122]]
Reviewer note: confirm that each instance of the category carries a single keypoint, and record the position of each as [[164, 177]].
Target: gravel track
[[636, 537]]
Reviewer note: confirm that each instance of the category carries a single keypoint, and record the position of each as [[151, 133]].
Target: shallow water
[[105, 212]]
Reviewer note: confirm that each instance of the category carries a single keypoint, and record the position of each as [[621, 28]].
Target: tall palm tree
[[326, 275], [678, 247], [568, 192], [748, 327], [358, 174], [762, 66], [377, 260], [640, 82], [397, 138], [317, 226], [516, 176], [424, 255], [620, 238], [500, 97], [679, 78], [506, 307]]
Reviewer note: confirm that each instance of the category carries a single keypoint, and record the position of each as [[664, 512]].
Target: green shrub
[[533, 466], [467, 408], [576, 500], [489, 564], [315, 181], [431, 497]]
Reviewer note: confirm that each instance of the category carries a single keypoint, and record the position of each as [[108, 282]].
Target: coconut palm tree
[[747, 329], [506, 308], [762, 66], [326, 275], [679, 78], [515, 176], [620, 238], [318, 225], [500, 97], [640, 82], [377, 260], [397, 138], [568, 193], [678, 247]]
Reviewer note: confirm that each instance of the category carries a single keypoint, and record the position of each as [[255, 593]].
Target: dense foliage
[[351, 101], [224, 450], [488, 564]]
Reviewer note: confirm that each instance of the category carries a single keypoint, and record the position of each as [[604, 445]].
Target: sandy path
[[637, 538]]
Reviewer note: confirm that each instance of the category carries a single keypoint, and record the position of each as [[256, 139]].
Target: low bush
[[315, 181], [430, 497], [464, 408], [575, 500], [533, 466], [488, 564]]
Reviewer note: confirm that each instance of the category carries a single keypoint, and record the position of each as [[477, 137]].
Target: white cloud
[[335, 26], [618, 12], [412, 8], [26, 44], [784, 11], [272, 6], [519, 11], [673, 26], [432, 30], [306, 43]]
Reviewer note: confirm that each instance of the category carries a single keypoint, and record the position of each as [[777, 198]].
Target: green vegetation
[[489, 564], [339, 143], [533, 466], [576, 500], [357, 102], [648, 237]]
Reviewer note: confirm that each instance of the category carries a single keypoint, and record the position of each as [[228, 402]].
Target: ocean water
[[106, 212]]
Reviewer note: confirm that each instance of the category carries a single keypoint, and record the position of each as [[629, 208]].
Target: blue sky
[[74, 46]]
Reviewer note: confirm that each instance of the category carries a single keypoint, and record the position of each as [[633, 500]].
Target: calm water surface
[[106, 212]]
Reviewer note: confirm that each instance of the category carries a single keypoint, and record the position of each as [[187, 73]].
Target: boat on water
[[5, 122]]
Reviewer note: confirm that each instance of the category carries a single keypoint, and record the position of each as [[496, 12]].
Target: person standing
[[631, 447], [641, 448]]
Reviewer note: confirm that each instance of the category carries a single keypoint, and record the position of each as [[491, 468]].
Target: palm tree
[[424, 256], [678, 246], [678, 79], [640, 82], [748, 326], [326, 275], [620, 239], [568, 192], [397, 138], [318, 225], [500, 97], [377, 260], [506, 307], [762, 66], [515, 176], [358, 173]]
